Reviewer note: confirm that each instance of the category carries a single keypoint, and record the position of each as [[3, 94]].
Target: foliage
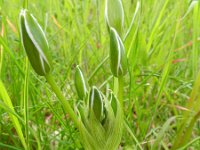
[[159, 93]]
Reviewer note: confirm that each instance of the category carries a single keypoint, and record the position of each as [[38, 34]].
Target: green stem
[[25, 5], [115, 89], [26, 113], [195, 42], [1, 46], [120, 89], [189, 129], [65, 103]]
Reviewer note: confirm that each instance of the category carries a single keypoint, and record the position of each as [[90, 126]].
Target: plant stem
[[120, 89], [195, 42], [1, 48], [65, 103], [25, 5], [115, 89], [25, 98]]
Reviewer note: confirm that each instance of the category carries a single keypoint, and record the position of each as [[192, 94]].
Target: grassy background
[[162, 49]]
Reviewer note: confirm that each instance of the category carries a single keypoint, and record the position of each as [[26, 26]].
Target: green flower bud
[[114, 15], [96, 103], [34, 42], [80, 83], [117, 54]]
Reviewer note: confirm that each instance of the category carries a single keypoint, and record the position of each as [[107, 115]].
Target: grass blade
[[189, 117], [161, 134], [4, 95]]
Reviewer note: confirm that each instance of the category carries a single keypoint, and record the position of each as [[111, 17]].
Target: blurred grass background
[[163, 52]]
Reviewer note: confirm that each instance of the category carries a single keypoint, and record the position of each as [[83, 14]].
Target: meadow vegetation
[[152, 98]]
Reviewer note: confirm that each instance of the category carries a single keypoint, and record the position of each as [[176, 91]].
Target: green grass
[[162, 48]]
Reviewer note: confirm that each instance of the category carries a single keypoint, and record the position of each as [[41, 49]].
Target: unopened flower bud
[[35, 43], [117, 54], [80, 83]]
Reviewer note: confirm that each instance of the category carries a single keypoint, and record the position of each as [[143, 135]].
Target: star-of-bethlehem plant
[[99, 119]]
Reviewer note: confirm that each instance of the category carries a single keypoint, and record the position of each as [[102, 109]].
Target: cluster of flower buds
[[101, 117]]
